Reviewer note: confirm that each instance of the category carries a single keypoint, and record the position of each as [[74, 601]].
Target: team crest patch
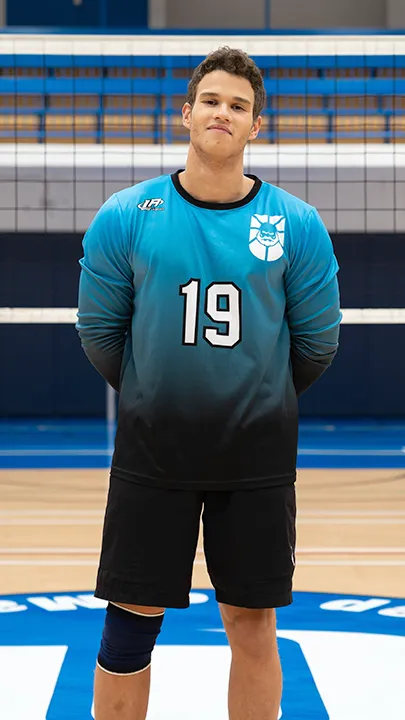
[[266, 239]]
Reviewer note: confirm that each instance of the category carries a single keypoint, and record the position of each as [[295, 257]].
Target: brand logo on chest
[[151, 204]]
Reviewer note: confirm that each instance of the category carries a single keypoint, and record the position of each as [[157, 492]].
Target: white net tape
[[56, 316]]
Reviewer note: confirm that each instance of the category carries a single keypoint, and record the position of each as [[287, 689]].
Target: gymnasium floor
[[342, 642]]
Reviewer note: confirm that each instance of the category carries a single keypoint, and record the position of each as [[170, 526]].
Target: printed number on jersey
[[216, 296]]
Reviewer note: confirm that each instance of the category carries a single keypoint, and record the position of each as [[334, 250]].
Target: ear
[[254, 131], [186, 113]]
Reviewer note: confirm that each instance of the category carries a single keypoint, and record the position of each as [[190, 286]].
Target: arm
[[105, 292], [312, 304]]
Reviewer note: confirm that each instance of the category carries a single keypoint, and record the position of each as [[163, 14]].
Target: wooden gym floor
[[351, 531]]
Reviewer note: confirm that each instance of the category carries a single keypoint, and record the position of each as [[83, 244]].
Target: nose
[[221, 112]]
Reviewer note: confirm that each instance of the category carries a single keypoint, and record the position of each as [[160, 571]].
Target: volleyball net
[[82, 117]]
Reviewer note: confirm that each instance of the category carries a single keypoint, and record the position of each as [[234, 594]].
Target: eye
[[214, 102]]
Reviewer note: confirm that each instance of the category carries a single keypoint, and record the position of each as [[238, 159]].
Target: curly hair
[[233, 61]]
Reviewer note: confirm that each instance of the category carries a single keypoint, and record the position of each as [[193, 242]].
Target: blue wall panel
[[88, 13], [126, 13]]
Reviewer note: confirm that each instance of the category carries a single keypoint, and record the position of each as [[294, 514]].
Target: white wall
[[283, 13], [215, 14], [156, 14], [396, 14], [328, 13]]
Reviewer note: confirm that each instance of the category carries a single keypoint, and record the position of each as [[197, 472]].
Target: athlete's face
[[221, 119]]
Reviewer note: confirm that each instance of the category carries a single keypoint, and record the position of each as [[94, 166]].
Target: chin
[[217, 147], [213, 147], [218, 154]]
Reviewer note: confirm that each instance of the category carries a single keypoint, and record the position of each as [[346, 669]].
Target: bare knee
[[260, 619], [142, 609], [252, 632]]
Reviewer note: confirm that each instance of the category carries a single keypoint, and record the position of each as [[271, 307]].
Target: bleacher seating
[[127, 99]]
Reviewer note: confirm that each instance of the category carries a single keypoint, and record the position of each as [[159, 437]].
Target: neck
[[215, 181]]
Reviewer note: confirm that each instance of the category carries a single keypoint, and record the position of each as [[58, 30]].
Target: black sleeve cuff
[[305, 372]]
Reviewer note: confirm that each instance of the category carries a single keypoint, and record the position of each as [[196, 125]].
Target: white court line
[[346, 551], [48, 521], [100, 513], [348, 427], [51, 551], [51, 513], [351, 521], [351, 513], [42, 522], [328, 452], [349, 563], [344, 563], [48, 563], [93, 563], [300, 551], [306, 429], [82, 452], [101, 452]]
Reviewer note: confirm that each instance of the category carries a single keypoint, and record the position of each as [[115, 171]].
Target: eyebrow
[[214, 94]]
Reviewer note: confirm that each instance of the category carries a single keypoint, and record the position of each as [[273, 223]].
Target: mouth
[[220, 128]]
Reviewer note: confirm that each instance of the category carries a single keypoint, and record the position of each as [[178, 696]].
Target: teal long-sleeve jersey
[[208, 319]]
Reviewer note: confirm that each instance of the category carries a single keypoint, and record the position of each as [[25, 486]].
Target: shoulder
[[295, 210], [121, 207], [152, 189]]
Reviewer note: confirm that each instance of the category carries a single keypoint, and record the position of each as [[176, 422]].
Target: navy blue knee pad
[[128, 640]]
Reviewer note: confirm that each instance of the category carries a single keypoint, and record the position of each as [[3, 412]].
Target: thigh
[[149, 542], [249, 543]]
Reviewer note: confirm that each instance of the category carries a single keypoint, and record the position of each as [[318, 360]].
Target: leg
[[255, 681], [123, 697], [249, 541], [149, 541]]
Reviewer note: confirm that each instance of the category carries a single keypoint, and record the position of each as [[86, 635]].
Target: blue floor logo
[[343, 658]]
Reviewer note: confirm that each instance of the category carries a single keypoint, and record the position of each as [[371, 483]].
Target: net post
[[111, 415]]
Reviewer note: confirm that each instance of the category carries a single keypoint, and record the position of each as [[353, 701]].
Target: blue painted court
[[342, 658], [88, 444]]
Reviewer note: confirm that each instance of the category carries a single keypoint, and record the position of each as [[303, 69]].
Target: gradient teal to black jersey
[[208, 319]]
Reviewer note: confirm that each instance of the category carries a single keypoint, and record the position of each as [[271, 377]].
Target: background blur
[[228, 14], [90, 98]]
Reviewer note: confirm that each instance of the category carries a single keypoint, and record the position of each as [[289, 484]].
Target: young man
[[209, 301]]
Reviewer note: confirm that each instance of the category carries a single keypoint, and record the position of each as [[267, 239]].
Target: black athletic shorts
[[150, 538]]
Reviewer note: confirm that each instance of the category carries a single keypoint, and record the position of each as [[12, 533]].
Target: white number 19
[[230, 317]]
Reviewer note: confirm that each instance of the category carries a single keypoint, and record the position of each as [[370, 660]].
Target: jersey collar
[[213, 205]]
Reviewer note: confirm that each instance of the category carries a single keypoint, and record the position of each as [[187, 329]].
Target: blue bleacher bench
[[113, 98]]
